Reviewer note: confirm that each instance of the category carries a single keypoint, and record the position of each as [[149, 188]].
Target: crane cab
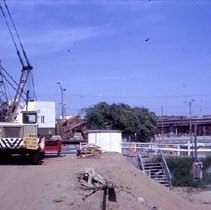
[[29, 117]]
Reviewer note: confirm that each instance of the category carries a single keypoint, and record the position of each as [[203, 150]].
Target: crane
[[9, 110], [15, 137]]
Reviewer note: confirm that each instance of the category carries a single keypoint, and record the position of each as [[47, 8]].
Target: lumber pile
[[89, 150]]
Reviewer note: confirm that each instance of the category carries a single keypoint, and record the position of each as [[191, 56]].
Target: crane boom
[[11, 113]]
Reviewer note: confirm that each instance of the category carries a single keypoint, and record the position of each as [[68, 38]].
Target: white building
[[108, 140], [46, 115]]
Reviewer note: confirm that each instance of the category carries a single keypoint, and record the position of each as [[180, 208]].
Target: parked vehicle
[[16, 138]]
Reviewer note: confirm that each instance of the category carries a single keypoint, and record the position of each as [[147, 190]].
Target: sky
[[146, 53]]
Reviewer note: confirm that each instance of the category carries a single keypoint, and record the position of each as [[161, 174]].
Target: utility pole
[[62, 98], [162, 123], [190, 115], [195, 143], [197, 166]]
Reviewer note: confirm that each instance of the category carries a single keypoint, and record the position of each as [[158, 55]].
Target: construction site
[[53, 161]]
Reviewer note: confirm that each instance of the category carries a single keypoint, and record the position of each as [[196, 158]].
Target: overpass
[[180, 125]]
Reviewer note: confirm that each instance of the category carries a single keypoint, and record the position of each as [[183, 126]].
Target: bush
[[181, 171], [206, 179], [180, 168], [206, 162]]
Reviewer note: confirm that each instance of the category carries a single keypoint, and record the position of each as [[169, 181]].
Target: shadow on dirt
[[53, 155], [25, 159], [17, 160]]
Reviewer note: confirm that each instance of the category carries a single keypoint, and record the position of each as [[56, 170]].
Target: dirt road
[[54, 186]]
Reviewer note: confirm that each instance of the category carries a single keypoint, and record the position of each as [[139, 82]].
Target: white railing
[[167, 171], [171, 149]]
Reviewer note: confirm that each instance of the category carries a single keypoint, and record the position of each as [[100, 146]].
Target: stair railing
[[167, 171], [141, 163]]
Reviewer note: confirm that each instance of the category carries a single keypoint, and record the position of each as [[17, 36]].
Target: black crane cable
[[3, 85], [2, 68], [13, 39], [9, 82], [18, 37], [23, 50], [14, 42]]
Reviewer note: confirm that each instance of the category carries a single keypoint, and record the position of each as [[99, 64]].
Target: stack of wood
[[88, 150]]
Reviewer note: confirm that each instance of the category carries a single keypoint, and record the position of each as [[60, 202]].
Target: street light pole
[[62, 98]]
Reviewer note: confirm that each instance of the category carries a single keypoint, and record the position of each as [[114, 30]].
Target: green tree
[[147, 123], [137, 123], [98, 116]]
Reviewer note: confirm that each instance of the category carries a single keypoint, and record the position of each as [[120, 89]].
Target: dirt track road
[[53, 186]]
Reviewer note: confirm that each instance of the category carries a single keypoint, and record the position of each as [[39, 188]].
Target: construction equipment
[[21, 138]]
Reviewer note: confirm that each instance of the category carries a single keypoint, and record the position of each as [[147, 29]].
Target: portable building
[[108, 140]]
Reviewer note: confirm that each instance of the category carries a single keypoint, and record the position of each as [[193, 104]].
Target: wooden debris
[[89, 150], [92, 182], [89, 179]]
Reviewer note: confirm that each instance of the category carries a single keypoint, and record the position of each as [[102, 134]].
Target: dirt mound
[[134, 190], [54, 186]]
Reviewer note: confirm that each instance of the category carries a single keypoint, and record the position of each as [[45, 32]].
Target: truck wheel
[[42, 155], [35, 157], [5, 155], [78, 152]]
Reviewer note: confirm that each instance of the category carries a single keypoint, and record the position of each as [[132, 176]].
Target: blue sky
[[142, 53]]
